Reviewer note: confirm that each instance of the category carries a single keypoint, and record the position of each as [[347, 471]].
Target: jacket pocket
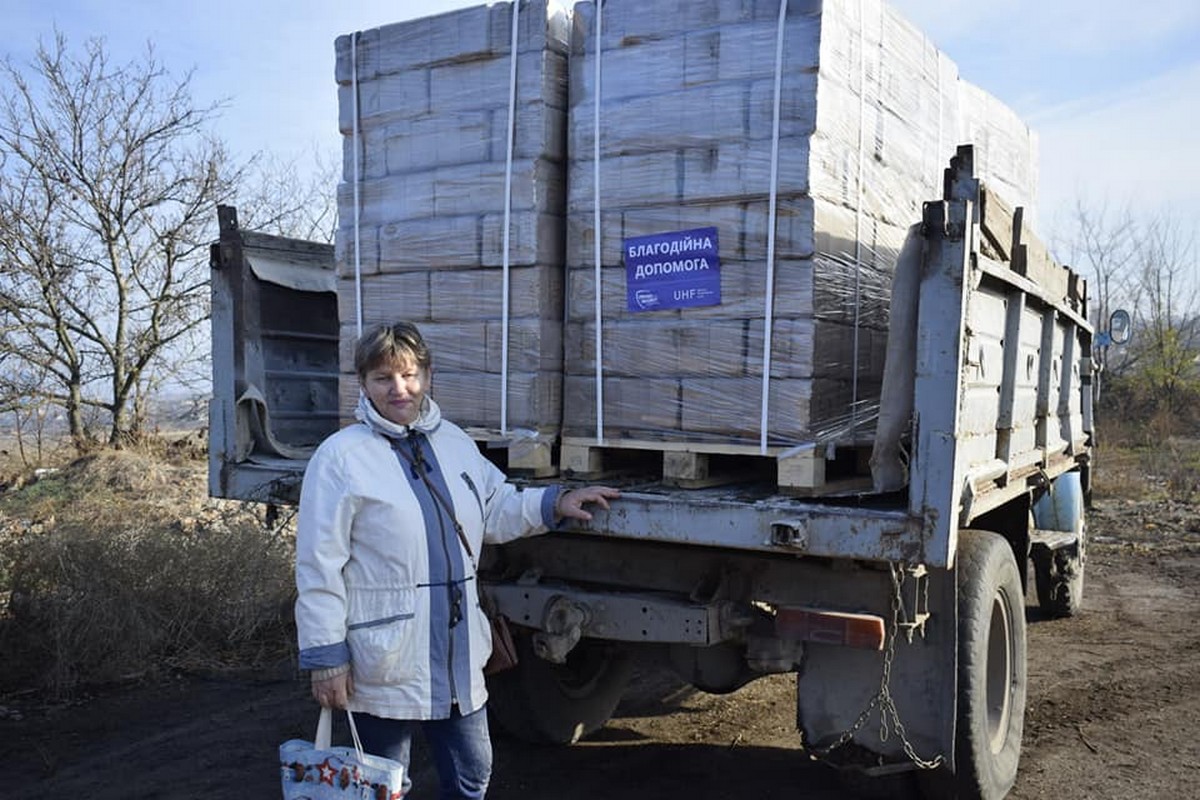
[[382, 634]]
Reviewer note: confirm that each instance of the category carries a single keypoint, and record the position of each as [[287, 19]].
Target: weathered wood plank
[[996, 220], [1032, 259], [696, 465]]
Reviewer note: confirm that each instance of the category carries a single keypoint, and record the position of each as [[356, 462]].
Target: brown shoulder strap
[[417, 460]]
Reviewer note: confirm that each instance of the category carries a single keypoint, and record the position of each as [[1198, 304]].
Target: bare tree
[[28, 412], [291, 197], [108, 180], [1103, 245], [1166, 317], [1148, 266], [287, 197]]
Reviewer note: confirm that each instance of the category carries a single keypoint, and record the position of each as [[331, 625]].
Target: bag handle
[[324, 738]]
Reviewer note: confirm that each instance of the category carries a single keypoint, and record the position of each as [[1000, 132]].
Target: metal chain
[[883, 698], [887, 707]]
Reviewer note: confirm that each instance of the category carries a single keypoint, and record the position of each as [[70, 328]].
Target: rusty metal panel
[[275, 360], [617, 616], [773, 524], [935, 486]]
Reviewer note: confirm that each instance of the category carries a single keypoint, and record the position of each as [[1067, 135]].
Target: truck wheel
[[546, 703], [991, 666], [1058, 572]]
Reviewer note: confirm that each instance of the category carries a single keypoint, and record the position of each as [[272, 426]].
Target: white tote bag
[[316, 771]]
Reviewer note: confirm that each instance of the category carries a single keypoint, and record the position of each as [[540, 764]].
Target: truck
[[899, 604]]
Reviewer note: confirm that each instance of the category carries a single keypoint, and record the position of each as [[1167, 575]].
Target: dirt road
[[1114, 699]]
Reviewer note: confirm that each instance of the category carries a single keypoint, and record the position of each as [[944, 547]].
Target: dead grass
[[119, 564], [1118, 473], [1160, 462]]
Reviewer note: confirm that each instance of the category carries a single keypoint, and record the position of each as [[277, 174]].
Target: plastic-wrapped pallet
[[425, 113], [690, 279]]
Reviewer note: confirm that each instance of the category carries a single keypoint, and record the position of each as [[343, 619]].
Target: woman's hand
[[333, 692], [571, 503]]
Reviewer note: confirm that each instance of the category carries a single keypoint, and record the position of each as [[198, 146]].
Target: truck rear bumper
[[773, 524]]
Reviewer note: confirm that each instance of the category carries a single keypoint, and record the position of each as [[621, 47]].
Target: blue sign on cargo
[[680, 269]]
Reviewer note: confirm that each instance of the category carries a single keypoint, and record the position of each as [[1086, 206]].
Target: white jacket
[[381, 571]]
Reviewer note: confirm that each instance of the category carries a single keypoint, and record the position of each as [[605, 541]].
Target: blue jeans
[[461, 749]]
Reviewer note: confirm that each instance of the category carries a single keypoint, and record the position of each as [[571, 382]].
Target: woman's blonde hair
[[388, 344]]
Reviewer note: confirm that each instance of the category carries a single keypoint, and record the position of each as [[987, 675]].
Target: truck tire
[[546, 703], [1058, 572], [991, 667]]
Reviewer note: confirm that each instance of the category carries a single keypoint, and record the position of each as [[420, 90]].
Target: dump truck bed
[[994, 397]]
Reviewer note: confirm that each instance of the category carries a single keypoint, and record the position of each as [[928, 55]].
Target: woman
[[388, 613]]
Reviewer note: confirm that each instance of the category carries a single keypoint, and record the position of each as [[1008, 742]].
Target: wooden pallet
[[695, 465], [518, 454]]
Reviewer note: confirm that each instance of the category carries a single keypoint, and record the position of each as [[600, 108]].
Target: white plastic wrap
[[810, 165], [460, 156], [869, 113]]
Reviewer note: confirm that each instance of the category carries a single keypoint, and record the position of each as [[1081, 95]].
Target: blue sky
[[1111, 87]]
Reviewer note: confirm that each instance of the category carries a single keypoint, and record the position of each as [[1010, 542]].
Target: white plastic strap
[[939, 157], [861, 193], [769, 311], [597, 236], [357, 145], [508, 172]]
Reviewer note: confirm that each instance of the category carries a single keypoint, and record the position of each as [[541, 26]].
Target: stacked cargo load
[[739, 184], [451, 205], [757, 174]]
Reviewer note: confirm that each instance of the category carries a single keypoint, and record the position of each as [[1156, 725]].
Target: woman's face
[[397, 390]]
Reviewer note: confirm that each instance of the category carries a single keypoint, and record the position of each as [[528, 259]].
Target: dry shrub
[[1119, 472], [1131, 412], [1168, 471], [1171, 457], [1182, 469], [1120, 431], [1155, 457], [120, 564]]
